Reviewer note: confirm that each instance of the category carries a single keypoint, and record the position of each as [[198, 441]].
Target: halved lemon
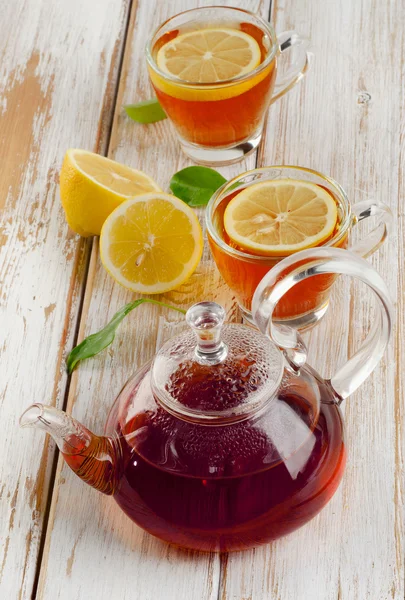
[[274, 218], [209, 55], [92, 186], [152, 243]]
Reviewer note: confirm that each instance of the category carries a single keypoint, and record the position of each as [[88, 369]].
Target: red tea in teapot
[[226, 488]]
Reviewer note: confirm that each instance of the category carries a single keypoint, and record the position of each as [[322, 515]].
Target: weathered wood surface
[[58, 74], [343, 122]]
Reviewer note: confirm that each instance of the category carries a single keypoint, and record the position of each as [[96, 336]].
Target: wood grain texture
[[55, 59], [92, 549], [345, 121]]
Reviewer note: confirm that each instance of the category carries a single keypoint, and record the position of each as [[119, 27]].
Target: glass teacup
[[308, 301], [220, 122]]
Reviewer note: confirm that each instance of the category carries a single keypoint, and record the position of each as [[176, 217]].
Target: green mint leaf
[[149, 111], [96, 342], [195, 185]]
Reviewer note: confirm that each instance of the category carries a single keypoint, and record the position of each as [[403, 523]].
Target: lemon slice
[[92, 186], [209, 55], [280, 217], [152, 243]]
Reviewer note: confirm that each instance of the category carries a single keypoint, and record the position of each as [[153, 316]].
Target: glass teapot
[[228, 438]]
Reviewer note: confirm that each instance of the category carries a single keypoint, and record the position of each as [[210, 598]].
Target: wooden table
[[66, 70]]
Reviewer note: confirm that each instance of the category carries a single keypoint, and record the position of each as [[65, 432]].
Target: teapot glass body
[[228, 486]]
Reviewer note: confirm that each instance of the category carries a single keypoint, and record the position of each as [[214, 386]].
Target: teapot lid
[[216, 372]]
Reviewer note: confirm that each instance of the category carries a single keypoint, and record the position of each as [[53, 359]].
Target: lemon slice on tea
[[280, 217], [209, 55], [92, 186], [152, 243]]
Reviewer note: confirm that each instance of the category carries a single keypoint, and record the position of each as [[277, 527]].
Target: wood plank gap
[[222, 575], [114, 97], [259, 151], [93, 253], [102, 147], [70, 391], [56, 453], [225, 555]]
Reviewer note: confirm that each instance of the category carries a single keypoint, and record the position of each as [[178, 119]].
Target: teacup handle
[[317, 261], [291, 43], [375, 210]]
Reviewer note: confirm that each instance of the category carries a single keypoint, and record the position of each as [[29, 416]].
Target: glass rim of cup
[[212, 205], [227, 82]]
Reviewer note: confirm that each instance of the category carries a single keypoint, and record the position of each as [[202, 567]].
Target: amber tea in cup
[[243, 269], [214, 71]]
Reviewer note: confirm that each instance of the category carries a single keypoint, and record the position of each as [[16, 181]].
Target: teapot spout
[[93, 458]]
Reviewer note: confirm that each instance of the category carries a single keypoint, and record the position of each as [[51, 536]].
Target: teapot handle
[[308, 263]]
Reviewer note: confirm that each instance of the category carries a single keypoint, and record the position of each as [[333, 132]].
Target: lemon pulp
[[280, 217], [209, 55], [152, 243]]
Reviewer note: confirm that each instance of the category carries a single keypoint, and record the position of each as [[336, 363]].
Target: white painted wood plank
[[58, 69], [92, 549], [345, 121]]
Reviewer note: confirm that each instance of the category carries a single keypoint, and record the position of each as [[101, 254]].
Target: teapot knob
[[206, 320]]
